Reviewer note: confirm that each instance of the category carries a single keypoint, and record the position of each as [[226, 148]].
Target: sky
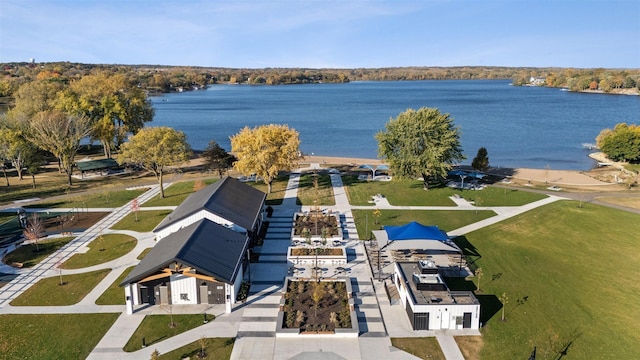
[[324, 33]]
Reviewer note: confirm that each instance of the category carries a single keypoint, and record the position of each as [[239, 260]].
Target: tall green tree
[[115, 106], [154, 149], [60, 134], [217, 158], [481, 161], [421, 142], [265, 150]]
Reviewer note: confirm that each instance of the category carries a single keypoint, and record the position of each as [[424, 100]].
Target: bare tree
[[35, 229]]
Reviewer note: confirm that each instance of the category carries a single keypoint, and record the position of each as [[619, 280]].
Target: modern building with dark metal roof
[[228, 202], [201, 253], [199, 264]]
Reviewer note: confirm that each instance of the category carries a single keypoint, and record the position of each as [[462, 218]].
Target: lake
[[520, 126]]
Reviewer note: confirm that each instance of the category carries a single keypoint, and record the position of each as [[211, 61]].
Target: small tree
[[317, 295], [198, 185], [504, 300], [481, 161], [217, 158], [376, 216], [155, 355], [479, 274], [203, 346], [35, 229], [306, 233]]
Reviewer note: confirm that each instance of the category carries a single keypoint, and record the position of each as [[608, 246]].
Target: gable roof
[[228, 198], [210, 248]]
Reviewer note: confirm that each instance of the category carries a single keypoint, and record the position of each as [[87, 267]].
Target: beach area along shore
[[550, 176]]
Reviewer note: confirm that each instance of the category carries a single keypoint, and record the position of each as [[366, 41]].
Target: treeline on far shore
[[164, 79]]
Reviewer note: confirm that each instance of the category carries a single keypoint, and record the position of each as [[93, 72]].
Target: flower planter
[[326, 256], [315, 222]]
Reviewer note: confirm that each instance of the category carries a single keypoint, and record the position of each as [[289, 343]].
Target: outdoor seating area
[[320, 271]]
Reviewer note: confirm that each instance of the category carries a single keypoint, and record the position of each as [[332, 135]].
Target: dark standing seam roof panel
[[228, 198], [210, 248]]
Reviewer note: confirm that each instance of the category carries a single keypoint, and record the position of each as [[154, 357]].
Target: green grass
[[49, 292], [397, 191], [52, 336], [114, 295], [570, 274], [410, 193], [155, 328], [143, 253], [307, 194], [103, 199], [447, 220], [278, 188], [495, 196], [147, 220], [102, 249], [424, 347], [175, 194], [27, 255], [215, 348]]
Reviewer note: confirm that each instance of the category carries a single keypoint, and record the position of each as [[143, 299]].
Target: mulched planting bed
[[316, 306], [312, 251], [315, 223]]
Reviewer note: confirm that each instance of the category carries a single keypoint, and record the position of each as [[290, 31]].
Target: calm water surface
[[519, 126]]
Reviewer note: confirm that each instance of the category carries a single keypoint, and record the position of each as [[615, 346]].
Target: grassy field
[[40, 336], [570, 275], [114, 295], [147, 220], [424, 348], [49, 292], [102, 249], [155, 328], [29, 257], [102, 199], [308, 195], [447, 220], [215, 349], [278, 188], [411, 193], [175, 194]]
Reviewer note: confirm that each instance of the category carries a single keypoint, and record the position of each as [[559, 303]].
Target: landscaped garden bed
[[317, 308], [316, 226]]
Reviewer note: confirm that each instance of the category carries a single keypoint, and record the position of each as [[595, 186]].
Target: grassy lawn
[[114, 295], [147, 220], [49, 292], [175, 194], [447, 220], [103, 199], [570, 274], [143, 253], [40, 336], [424, 347], [398, 192], [155, 328], [102, 249], [495, 196], [307, 194], [215, 348], [278, 188], [27, 255], [410, 193]]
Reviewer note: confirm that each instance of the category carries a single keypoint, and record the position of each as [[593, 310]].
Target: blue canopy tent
[[414, 236]]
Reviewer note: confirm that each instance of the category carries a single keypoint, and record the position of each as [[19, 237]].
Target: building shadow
[[490, 305]]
